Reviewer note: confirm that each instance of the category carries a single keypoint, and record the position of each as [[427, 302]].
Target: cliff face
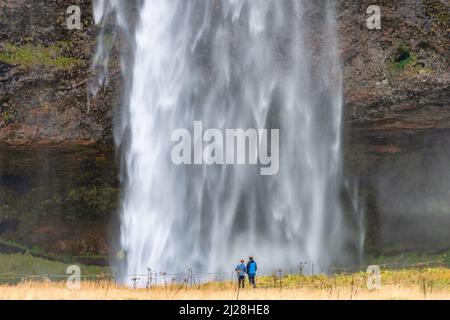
[[396, 78], [397, 107], [57, 200], [58, 174], [44, 76], [396, 88]]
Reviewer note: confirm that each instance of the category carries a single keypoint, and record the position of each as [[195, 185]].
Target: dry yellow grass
[[107, 291], [404, 284]]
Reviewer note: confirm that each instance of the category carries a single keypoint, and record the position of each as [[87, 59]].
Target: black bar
[[225, 309]]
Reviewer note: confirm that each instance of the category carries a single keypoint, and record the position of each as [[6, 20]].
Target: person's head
[[251, 257], [242, 261]]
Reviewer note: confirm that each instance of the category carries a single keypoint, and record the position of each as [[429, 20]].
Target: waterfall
[[231, 64]]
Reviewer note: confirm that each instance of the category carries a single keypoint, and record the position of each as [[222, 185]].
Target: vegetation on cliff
[[32, 56]]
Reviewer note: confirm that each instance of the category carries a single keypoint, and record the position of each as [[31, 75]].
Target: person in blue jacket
[[252, 267], [241, 270]]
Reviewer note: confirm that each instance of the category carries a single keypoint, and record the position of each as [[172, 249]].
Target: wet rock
[[43, 81], [391, 114]]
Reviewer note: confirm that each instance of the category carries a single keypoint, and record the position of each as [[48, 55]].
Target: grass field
[[91, 291], [416, 281], [30, 265], [429, 283]]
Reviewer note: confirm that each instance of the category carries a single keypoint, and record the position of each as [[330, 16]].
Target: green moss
[[12, 244], [402, 59], [29, 56], [7, 212], [411, 258], [92, 203], [7, 117], [437, 10], [405, 62], [7, 201], [7, 113]]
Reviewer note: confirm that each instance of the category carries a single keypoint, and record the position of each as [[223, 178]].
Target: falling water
[[232, 64]]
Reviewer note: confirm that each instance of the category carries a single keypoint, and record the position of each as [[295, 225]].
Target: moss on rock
[[439, 11], [405, 63], [29, 56]]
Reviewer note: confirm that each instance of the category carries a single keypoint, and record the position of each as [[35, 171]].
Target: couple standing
[[249, 269]]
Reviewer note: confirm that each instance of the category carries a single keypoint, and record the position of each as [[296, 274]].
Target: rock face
[[397, 93], [397, 107], [57, 199], [58, 174], [44, 77], [397, 78]]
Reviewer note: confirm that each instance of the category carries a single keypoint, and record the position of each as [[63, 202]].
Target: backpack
[[252, 267]]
